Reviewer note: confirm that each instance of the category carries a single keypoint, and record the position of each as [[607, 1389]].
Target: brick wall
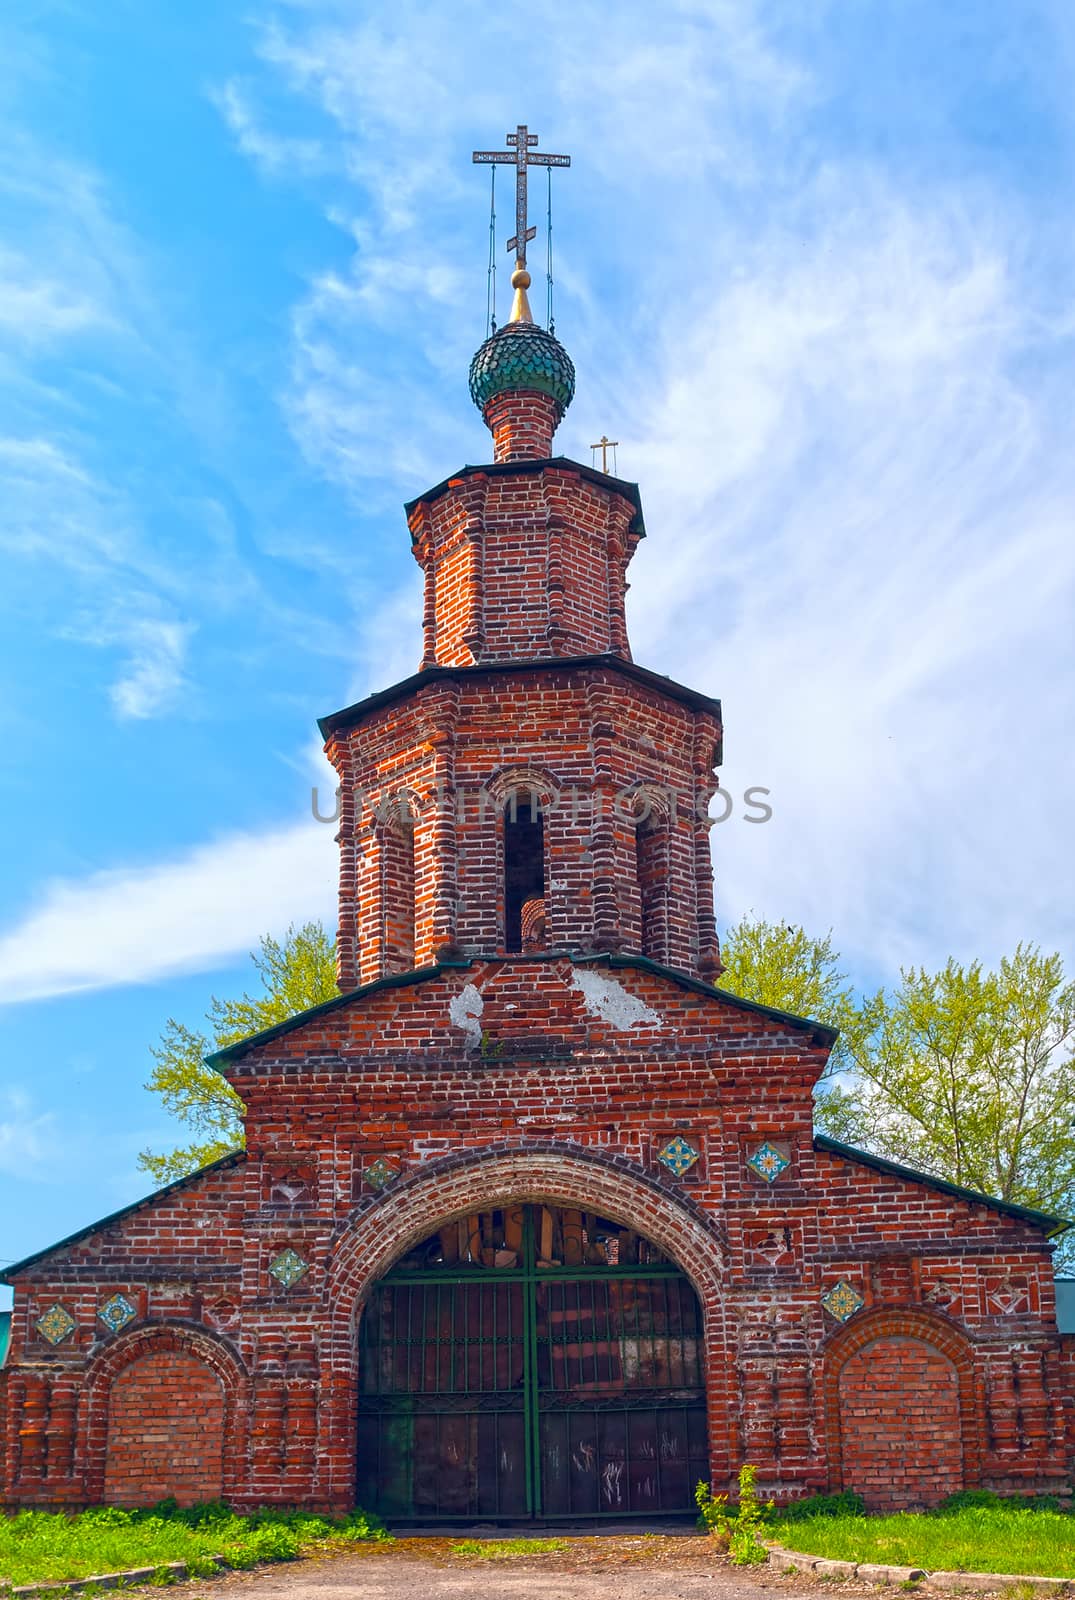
[[524, 565], [900, 1424], [165, 1432], [522, 423], [601, 750], [1065, 1387], [506, 1081], [479, 1081]]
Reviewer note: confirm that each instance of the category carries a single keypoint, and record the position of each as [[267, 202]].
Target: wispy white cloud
[[272, 152], [34, 305], [136, 924], [28, 1136], [835, 376], [153, 676], [77, 269], [856, 473], [60, 520], [354, 411], [58, 512], [119, 472], [40, 1147], [28, 460]]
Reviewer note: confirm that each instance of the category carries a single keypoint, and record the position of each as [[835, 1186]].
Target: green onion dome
[[520, 355]]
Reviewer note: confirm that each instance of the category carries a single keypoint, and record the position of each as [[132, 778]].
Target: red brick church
[[532, 1221]]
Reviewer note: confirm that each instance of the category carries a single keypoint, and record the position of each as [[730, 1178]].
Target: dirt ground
[[612, 1567]]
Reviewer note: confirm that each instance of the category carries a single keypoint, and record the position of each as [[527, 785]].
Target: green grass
[[54, 1547], [504, 1549], [974, 1539]]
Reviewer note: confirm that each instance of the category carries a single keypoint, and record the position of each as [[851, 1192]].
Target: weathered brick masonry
[[527, 1018]]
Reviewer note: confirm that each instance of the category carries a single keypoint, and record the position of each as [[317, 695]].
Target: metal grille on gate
[[531, 1362]]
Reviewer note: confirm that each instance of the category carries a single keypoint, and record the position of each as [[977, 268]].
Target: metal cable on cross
[[549, 321], [521, 155], [490, 276]]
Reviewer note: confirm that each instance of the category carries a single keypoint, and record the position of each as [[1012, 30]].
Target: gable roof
[[892, 1169], [821, 1035], [232, 1159], [398, 980]]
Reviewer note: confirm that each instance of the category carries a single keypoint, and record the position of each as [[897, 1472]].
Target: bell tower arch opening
[[652, 837], [531, 1361], [398, 885], [524, 868]]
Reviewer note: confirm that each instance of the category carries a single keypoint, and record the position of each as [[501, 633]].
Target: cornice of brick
[[352, 716]]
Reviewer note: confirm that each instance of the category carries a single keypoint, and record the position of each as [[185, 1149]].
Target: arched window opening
[[397, 855], [524, 871], [651, 867]]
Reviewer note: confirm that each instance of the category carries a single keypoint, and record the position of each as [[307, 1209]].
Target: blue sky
[[815, 267]]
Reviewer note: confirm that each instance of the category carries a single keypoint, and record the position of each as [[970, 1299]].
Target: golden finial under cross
[[605, 444]]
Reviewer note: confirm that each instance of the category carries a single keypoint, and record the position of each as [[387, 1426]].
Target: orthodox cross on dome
[[521, 155]]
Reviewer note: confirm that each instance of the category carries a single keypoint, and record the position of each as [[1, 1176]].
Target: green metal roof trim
[[350, 716], [398, 980], [517, 469], [5, 1335], [522, 355], [822, 1034], [229, 1160], [1040, 1219], [232, 1052]]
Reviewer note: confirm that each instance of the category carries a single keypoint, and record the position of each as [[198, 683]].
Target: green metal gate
[[531, 1363]]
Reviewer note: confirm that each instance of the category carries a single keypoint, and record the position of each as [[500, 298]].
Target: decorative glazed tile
[[288, 1267], [678, 1155], [768, 1162], [842, 1301], [380, 1173], [56, 1323], [116, 1312]]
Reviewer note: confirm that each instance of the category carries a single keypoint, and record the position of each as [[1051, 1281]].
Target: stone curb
[[788, 1561], [112, 1580]]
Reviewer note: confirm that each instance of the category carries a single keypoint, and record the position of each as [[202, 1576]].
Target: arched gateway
[[531, 1361], [526, 1332]]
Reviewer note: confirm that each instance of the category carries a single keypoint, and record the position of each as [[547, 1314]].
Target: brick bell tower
[[529, 789], [527, 1116]]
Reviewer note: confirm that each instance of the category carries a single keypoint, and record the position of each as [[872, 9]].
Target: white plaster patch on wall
[[608, 999], [465, 1009]]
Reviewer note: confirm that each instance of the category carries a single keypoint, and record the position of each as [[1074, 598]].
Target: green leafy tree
[[781, 965], [968, 1074], [964, 1073], [296, 973]]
